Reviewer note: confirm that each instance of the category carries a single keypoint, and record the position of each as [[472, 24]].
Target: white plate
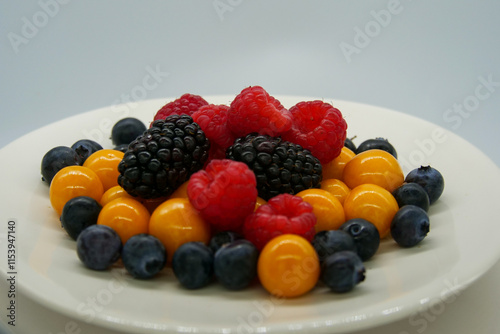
[[462, 245]]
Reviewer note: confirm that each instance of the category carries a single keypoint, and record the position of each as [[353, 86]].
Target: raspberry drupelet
[[254, 110], [186, 104], [318, 127], [224, 193], [283, 214]]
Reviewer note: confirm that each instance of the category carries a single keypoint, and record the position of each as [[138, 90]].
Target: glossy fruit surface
[[337, 188], [335, 168], [79, 213], [373, 203], [375, 167], [342, 271], [259, 202], [71, 182], [105, 164], [112, 194], [163, 157], [98, 247], [280, 167], [288, 266], [193, 265], [176, 222], [235, 264], [143, 256], [326, 207], [127, 216], [180, 192]]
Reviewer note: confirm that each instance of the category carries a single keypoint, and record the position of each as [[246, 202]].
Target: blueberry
[[144, 256], [342, 271], [84, 148], [56, 159], [410, 226], [235, 264], [365, 235], [329, 242], [122, 148], [350, 145], [430, 179], [126, 130], [222, 238], [98, 247], [377, 143], [79, 213], [193, 265], [412, 193]]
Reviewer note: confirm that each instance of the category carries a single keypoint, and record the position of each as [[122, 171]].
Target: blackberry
[[163, 157], [279, 166]]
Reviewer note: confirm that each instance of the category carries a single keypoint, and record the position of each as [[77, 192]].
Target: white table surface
[[437, 60]]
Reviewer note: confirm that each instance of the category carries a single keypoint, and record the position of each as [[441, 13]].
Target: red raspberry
[[283, 214], [186, 104], [254, 110], [225, 193], [215, 152], [212, 119], [319, 128]]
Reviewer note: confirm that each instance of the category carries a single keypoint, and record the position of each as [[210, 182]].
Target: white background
[[430, 59]]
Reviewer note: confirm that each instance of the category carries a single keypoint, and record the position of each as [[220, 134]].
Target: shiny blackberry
[[164, 157], [279, 166]]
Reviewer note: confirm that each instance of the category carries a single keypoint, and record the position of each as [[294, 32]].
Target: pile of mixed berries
[[241, 193]]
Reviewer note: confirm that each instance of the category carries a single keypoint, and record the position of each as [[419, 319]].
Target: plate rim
[[360, 325]]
